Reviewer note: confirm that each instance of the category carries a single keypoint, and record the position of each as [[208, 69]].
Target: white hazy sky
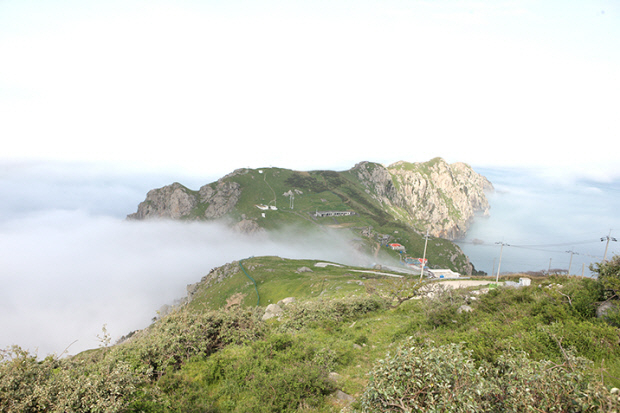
[[210, 86]]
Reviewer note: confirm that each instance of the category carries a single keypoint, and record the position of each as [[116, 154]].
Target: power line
[[563, 244]]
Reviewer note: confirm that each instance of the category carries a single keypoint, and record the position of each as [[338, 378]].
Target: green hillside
[[331, 191], [344, 344], [316, 191]]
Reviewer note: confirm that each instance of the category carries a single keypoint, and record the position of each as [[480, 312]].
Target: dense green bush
[[609, 276], [582, 295], [301, 314], [176, 338], [446, 379], [281, 373], [110, 379], [53, 385], [424, 378]]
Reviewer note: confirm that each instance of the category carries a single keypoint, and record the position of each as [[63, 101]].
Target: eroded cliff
[[441, 197]]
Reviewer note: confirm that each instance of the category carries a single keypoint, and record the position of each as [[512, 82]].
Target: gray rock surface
[[272, 310], [444, 196]]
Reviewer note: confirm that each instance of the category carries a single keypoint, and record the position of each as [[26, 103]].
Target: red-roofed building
[[396, 247]]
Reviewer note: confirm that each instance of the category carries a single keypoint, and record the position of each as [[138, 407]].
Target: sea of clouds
[[71, 262]]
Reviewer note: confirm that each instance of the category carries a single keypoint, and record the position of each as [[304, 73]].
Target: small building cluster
[[322, 214], [265, 207], [396, 247]]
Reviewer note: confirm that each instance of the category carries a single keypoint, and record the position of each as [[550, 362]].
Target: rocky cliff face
[[436, 195], [178, 202]]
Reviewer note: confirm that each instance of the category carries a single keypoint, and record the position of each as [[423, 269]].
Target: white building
[[321, 214]]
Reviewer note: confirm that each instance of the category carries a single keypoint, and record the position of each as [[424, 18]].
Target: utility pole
[[608, 238], [424, 256], [549, 270], [571, 259], [500, 260]]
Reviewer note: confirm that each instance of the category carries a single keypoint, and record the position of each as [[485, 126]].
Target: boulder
[[272, 310], [606, 307], [334, 377], [285, 301], [464, 309], [340, 395]]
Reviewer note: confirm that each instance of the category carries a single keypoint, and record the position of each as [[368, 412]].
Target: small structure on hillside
[[396, 247], [523, 282], [445, 273], [322, 214]]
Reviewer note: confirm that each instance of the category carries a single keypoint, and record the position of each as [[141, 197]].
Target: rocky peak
[[172, 201], [436, 195], [175, 201]]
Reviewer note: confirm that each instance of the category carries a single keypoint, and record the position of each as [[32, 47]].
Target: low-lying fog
[[70, 262]]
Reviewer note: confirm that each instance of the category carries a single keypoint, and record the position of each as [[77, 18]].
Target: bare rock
[[340, 395], [285, 301], [446, 196], [248, 226], [221, 198], [272, 310], [464, 309], [606, 307], [176, 201], [334, 377], [171, 201]]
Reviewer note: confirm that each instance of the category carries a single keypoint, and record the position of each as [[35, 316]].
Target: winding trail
[[251, 279]]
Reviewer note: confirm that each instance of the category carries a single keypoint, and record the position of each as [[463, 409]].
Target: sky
[[102, 101], [206, 86]]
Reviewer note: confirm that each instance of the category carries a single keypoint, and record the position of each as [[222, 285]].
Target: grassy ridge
[[216, 355]]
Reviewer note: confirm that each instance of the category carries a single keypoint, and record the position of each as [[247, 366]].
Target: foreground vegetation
[[535, 348]]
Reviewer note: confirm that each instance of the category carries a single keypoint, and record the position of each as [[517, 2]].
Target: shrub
[[609, 276], [300, 314], [53, 385], [426, 378], [277, 374], [446, 379], [582, 296], [178, 337], [442, 307]]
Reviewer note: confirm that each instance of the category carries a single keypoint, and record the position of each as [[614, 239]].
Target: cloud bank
[[66, 273], [70, 262]]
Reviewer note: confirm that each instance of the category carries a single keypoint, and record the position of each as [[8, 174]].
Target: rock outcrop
[[436, 195], [172, 201], [178, 202]]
